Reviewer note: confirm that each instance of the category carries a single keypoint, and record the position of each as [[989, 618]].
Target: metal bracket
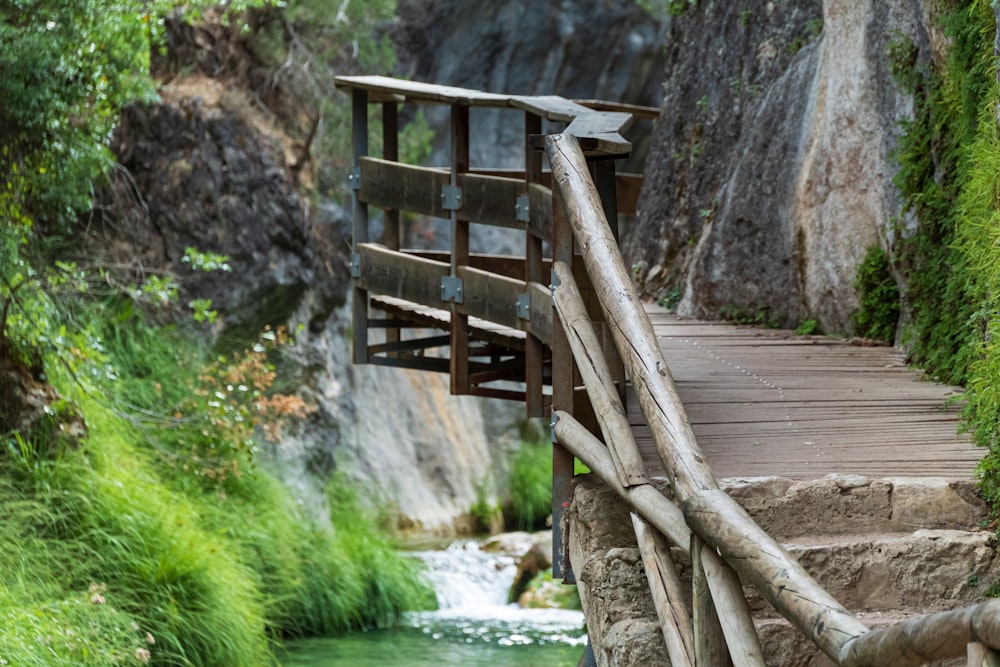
[[522, 210], [355, 265], [451, 289], [451, 197], [524, 306], [552, 426], [354, 178], [554, 283]]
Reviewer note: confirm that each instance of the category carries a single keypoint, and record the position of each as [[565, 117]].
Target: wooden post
[[533, 348], [732, 611], [783, 582], [665, 587], [608, 406], [562, 399], [459, 251], [607, 188], [710, 643], [359, 306], [391, 232]]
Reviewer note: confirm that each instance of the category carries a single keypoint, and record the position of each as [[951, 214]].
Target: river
[[473, 626]]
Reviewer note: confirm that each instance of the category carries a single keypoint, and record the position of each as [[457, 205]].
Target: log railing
[[723, 539], [570, 329]]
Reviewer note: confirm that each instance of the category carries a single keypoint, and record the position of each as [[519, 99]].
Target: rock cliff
[[771, 168]]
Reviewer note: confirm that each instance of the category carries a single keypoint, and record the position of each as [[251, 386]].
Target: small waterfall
[[472, 587]]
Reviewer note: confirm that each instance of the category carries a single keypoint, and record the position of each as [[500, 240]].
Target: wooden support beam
[[982, 656], [761, 561], [534, 352], [359, 297], [654, 386], [459, 251], [733, 612], [710, 642], [608, 406], [920, 640], [665, 586], [392, 232]]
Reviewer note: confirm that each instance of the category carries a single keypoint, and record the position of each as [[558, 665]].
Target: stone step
[[881, 547], [850, 504], [927, 569]]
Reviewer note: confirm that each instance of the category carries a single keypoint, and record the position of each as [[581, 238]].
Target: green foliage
[[808, 328], [760, 316], [663, 8], [545, 593], [531, 484], [671, 297], [878, 296]]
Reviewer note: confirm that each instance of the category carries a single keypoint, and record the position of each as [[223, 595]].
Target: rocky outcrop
[[885, 548], [771, 169]]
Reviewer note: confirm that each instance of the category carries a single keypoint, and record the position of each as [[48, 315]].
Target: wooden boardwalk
[[768, 402]]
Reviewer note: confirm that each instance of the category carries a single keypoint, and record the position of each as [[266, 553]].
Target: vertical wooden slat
[[359, 122], [459, 251], [710, 644], [533, 348], [562, 399], [392, 232]]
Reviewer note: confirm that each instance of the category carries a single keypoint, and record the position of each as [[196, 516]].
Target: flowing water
[[474, 625]]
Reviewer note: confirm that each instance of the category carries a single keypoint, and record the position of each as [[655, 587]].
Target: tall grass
[[117, 552], [531, 485]]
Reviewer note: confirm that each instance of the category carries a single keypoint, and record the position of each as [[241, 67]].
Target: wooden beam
[[598, 380], [391, 185], [665, 586], [779, 577], [384, 271], [675, 441], [534, 348], [710, 642], [733, 612], [359, 297], [920, 640], [416, 91], [490, 296], [459, 250]]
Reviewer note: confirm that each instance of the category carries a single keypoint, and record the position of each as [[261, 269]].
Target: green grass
[[531, 485], [116, 551]]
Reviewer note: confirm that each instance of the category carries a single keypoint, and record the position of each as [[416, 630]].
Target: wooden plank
[[424, 316], [392, 185], [534, 350], [504, 265], [384, 271], [490, 296], [540, 214], [459, 250], [636, 110], [541, 319], [598, 132], [491, 200], [550, 107], [415, 91]]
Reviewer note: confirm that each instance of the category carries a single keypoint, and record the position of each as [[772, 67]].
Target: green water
[[474, 625], [411, 647]]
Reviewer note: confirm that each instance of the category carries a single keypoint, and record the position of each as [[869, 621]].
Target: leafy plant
[[807, 328], [878, 296], [531, 484]]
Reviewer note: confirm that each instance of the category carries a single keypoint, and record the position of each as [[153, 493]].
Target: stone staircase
[[885, 548]]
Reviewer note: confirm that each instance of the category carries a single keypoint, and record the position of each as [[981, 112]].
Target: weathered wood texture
[[632, 332], [665, 587], [597, 378], [926, 638], [761, 561], [981, 656], [734, 613], [767, 402], [710, 642]]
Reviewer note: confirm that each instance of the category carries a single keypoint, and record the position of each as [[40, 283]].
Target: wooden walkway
[[768, 402]]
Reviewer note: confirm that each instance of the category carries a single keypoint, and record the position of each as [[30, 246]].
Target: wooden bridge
[[632, 390]]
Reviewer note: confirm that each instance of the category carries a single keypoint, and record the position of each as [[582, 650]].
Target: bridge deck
[[767, 402]]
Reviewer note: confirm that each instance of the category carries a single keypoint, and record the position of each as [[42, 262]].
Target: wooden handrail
[[709, 511]]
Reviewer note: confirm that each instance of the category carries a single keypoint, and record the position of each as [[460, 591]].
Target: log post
[[665, 587], [597, 378], [981, 656], [710, 642]]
